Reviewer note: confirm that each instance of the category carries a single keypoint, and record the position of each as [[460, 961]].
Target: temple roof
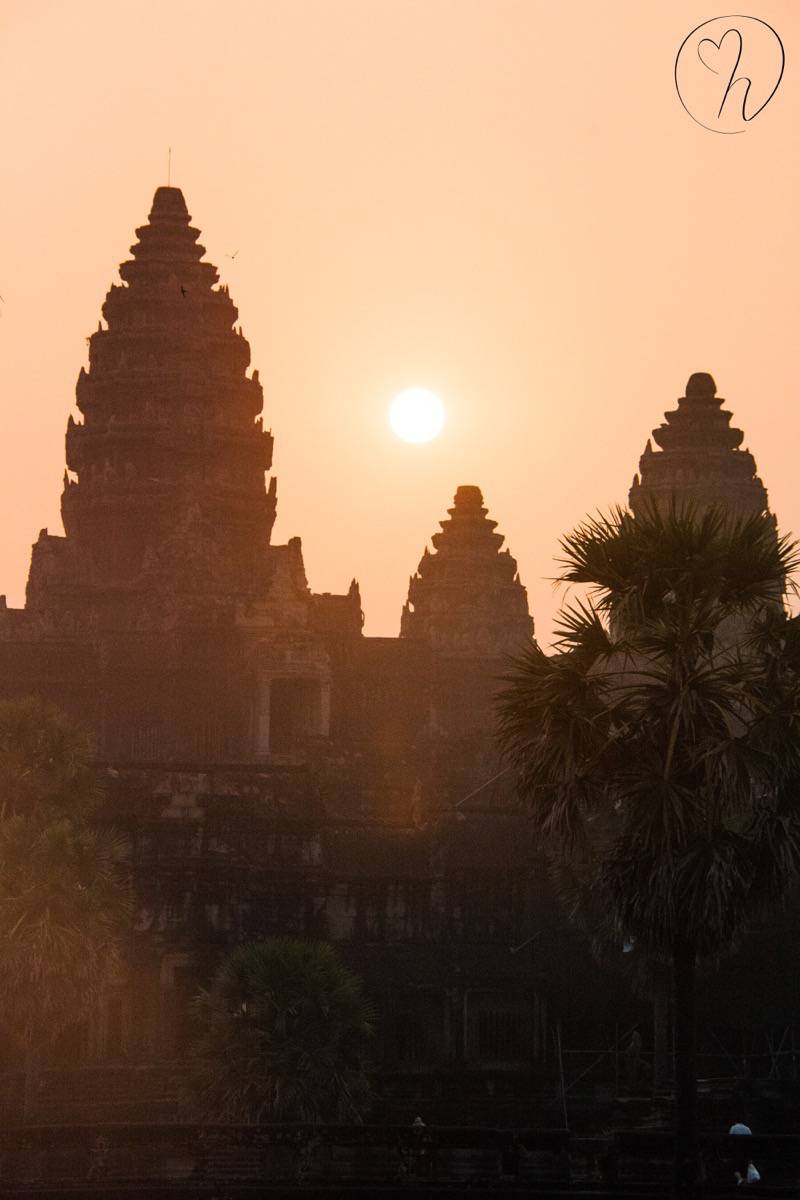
[[466, 598], [699, 459]]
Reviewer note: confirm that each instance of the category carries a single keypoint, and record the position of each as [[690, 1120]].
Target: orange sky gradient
[[501, 200]]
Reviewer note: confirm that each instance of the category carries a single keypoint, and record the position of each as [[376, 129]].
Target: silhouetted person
[[739, 1133], [633, 1059]]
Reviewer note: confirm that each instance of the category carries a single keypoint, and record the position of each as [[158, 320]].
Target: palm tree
[[283, 1034], [63, 906], [46, 760], [659, 748], [65, 899]]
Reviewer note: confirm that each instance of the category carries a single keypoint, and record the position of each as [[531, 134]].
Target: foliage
[[283, 1034], [65, 898], [45, 761], [63, 902], [659, 748]]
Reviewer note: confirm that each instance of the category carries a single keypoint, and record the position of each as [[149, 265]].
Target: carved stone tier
[[699, 460], [466, 599]]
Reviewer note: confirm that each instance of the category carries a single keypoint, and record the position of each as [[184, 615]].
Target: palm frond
[[282, 1034], [658, 749]]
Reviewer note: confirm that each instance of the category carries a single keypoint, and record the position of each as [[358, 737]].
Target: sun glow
[[416, 415]]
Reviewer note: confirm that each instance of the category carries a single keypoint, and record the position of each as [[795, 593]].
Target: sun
[[416, 415]]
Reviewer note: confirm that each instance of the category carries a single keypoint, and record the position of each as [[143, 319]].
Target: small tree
[[65, 899], [659, 748], [63, 906], [283, 1035], [46, 761]]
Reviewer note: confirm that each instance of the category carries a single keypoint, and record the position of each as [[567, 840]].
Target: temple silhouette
[[275, 770]]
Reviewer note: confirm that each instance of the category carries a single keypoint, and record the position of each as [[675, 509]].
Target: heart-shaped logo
[[722, 61], [727, 70]]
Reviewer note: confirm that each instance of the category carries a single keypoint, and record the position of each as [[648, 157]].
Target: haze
[[502, 201]]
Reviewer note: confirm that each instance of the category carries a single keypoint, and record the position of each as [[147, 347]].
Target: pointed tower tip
[[701, 384], [169, 202], [468, 496]]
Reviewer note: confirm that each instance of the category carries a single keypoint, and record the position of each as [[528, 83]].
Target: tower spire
[[466, 598], [170, 459], [699, 459]]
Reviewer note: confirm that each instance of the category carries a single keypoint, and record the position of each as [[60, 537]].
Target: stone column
[[325, 709], [262, 717]]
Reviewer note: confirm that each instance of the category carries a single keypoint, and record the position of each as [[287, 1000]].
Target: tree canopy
[[659, 746], [46, 761], [65, 895], [64, 902], [283, 1034]]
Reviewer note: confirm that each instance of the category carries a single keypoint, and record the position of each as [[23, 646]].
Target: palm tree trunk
[[686, 1156], [660, 1039], [30, 1086]]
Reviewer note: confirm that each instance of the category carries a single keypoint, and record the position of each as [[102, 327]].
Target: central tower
[[167, 490]]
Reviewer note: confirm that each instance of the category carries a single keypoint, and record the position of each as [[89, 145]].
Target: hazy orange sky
[[501, 200]]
